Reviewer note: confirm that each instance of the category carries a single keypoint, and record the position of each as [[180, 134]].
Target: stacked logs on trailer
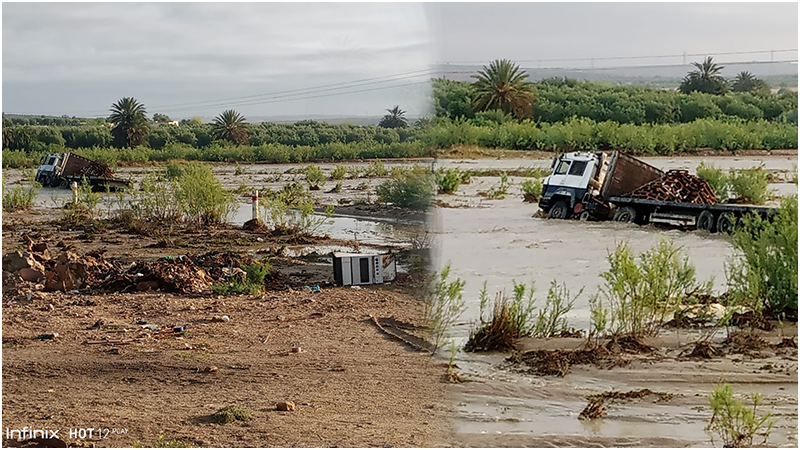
[[677, 186], [95, 169]]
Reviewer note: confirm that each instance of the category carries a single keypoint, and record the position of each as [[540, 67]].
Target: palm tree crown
[[394, 119], [746, 82], [230, 125], [706, 78], [502, 86], [130, 121]]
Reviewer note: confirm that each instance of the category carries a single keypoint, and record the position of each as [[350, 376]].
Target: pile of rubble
[[38, 269], [677, 186]]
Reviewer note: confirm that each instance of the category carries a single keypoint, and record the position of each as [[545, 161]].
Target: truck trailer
[[61, 169], [599, 186]]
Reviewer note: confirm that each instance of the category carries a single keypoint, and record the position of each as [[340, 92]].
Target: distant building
[[174, 122]]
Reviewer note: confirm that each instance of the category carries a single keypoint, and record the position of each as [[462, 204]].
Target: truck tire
[[705, 221], [625, 214], [585, 216], [64, 184], [725, 222], [559, 210]]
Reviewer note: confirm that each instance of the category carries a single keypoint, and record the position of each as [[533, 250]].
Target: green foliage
[[641, 295], [502, 86], [338, 173], [735, 423], [20, 197], [173, 171], [510, 320], [394, 119], [717, 178], [448, 180], [252, 284], [290, 211], [161, 442], [314, 176], [230, 414], [551, 320], [230, 126], [203, 199], [750, 185], [705, 79], [161, 118], [410, 189], [376, 169], [532, 190], [763, 274], [746, 82], [499, 192], [443, 305], [130, 121]]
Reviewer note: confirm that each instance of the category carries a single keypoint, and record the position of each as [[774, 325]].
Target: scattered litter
[[358, 288], [296, 349], [151, 327], [45, 337], [220, 319], [314, 289], [179, 329]]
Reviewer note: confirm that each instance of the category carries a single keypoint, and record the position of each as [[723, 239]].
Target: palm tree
[[705, 79], [502, 86], [230, 125], [746, 82], [394, 119], [130, 121]]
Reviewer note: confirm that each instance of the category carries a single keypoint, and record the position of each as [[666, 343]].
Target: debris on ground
[[598, 403], [286, 406], [677, 186], [402, 332], [704, 350]]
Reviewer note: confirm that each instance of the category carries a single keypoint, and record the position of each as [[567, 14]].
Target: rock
[[31, 275], [286, 406], [39, 248], [15, 261]]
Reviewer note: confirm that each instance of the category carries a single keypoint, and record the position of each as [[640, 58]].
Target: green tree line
[[559, 99]]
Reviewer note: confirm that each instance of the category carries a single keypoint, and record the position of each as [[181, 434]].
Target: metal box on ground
[[356, 268]]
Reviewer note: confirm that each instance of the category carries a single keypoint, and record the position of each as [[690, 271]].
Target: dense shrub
[[409, 189]]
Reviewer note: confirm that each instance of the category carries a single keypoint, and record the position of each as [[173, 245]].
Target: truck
[[61, 169], [601, 186]]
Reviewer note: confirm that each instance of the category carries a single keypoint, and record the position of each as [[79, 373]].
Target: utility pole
[[684, 57]]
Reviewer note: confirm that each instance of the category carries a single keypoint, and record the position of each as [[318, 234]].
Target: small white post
[[74, 187], [255, 206]]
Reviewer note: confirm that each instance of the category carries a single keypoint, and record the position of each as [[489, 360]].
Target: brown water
[[498, 242]]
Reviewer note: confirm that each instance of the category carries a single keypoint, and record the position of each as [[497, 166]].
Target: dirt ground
[[353, 385]]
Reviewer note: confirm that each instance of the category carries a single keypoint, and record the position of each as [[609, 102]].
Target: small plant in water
[[531, 190], [499, 192], [552, 321], [735, 423], [443, 305], [338, 173], [314, 176], [448, 180], [510, 320]]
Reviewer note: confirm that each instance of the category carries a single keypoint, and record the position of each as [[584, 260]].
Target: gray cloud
[[222, 46]]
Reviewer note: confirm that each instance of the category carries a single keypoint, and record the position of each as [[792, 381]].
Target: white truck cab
[[574, 175], [46, 171]]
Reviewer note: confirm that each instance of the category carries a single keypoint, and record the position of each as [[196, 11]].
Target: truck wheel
[[64, 184], [725, 222], [625, 214], [585, 216], [705, 221], [558, 211]]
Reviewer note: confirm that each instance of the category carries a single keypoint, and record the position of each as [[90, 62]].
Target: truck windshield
[[562, 167], [578, 167], [51, 161]]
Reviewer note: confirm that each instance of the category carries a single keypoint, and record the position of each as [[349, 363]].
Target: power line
[[653, 66], [263, 102], [608, 58]]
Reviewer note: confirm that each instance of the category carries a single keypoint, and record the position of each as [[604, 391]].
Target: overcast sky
[[77, 59]]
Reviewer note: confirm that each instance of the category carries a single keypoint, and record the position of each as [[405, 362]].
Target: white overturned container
[[358, 268]]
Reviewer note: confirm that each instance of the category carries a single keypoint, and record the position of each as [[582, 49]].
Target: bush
[[443, 305], [499, 192], [230, 414], [510, 320], [203, 199], [551, 320], [532, 190], [290, 211], [338, 173], [410, 189], [376, 169], [20, 197], [750, 185], [763, 274], [641, 296], [717, 178], [314, 176], [448, 180], [735, 423]]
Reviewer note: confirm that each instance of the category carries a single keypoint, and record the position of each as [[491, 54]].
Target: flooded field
[[498, 242]]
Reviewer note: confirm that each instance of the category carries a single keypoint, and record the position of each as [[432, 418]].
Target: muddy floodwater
[[498, 242]]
